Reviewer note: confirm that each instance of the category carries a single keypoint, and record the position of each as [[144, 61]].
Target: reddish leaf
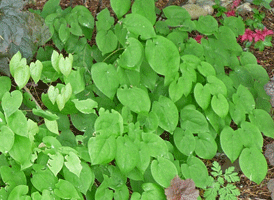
[[181, 190]]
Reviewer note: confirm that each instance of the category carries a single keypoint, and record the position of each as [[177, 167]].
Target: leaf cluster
[[146, 104], [221, 185]]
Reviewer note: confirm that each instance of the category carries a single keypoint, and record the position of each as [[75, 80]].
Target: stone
[[225, 3], [206, 5], [208, 9], [195, 11], [244, 8]]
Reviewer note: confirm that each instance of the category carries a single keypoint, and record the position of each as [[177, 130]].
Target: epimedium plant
[[148, 103]]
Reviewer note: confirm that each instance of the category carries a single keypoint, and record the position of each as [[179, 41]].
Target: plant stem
[[27, 90], [112, 53]]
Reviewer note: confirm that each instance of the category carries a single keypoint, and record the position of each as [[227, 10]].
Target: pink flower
[[248, 35], [198, 38], [236, 3], [230, 13], [267, 32], [258, 35]]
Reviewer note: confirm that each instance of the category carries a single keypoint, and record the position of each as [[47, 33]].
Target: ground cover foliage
[[137, 84]]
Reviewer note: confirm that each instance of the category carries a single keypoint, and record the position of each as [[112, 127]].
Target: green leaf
[[84, 181], [167, 113], [83, 122], [146, 9], [251, 135], [22, 75], [202, 95], [11, 102], [207, 25], [253, 164], [60, 100], [193, 121], [55, 57], [18, 123], [163, 171], [120, 7], [12, 176], [109, 124], [155, 144], [52, 126], [64, 33], [76, 80], [6, 138], [85, 18], [176, 15], [19, 192], [176, 90], [152, 121], [216, 86], [105, 78], [73, 163], [184, 141], [220, 105], [42, 173], [101, 150], [206, 146], [135, 98], [66, 92], [45, 114], [106, 41], [152, 191], [55, 163], [139, 25], [237, 112], [21, 149], [148, 77], [6, 85], [196, 170], [133, 55], [65, 65], [162, 28], [127, 154], [105, 21], [64, 189], [76, 29], [188, 69], [206, 69], [36, 70], [15, 61], [85, 106], [263, 121], [236, 24], [52, 94], [162, 55], [244, 98], [231, 143], [103, 192]]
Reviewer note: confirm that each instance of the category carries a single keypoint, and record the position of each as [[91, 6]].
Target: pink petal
[[198, 38]]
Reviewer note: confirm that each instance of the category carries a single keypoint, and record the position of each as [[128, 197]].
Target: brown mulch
[[249, 190]]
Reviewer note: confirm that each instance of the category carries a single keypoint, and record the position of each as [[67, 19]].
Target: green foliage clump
[[146, 104], [222, 184]]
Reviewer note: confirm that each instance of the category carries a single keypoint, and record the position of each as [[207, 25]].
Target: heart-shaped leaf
[[11, 102], [52, 94], [253, 164], [21, 76], [202, 95], [36, 70]]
